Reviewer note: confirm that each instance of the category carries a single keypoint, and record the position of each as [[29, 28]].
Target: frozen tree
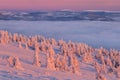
[[64, 63], [43, 46], [19, 44], [15, 63], [102, 59], [10, 61], [118, 73], [58, 62], [75, 65], [36, 55], [29, 42], [10, 37], [51, 51], [2, 41], [36, 59], [3, 37], [15, 37], [22, 38], [97, 67], [53, 42], [50, 62], [36, 46], [63, 49], [101, 77], [26, 46], [108, 62], [103, 69]]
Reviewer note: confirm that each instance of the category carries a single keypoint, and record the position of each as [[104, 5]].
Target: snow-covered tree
[[15, 63], [50, 62], [58, 63], [19, 44], [36, 59], [101, 77]]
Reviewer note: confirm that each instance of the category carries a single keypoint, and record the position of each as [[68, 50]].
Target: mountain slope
[[61, 16]]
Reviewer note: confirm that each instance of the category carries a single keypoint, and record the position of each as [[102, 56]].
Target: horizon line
[[31, 10]]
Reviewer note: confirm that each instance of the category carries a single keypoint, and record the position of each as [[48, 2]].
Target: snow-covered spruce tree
[[2, 37], [51, 51], [10, 37], [15, 63], [6, 37], [75, 65], [100, 77], [43, 46], [102, 59], [97, 67], [36, 59], [115, 58], [103, 69], [53, 42], [50, 60], [78, 49], [36, 55], [70, 57], [29, 43], [36, 46], [19, 44], [15, 37], [85, 58], [64, 50], [118, 72], [2, 41], [22, 38], [76, 68], [64, 64], [61, 42], [26, 46], [10, 61], [58, 62], [109, 62]]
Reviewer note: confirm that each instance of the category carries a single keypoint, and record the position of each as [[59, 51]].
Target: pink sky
[[59, 4]]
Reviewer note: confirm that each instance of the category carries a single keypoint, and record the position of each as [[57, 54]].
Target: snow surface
[[31, 72], [94, 33]]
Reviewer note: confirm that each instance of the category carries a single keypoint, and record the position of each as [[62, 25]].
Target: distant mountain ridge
[[63, 15]]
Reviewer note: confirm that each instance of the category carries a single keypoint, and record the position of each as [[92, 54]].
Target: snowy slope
[[31, 72], [11, 47]]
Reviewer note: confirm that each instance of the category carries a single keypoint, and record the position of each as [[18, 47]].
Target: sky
[[60, 4]]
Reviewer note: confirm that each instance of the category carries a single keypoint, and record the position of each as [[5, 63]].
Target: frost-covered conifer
[[15, 63], [58, 62], [97, 67], [75, 66], [101, 77], [15, 37], [50, 62], [26, 46], [36, 59], [64, 64], [19, 44]]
